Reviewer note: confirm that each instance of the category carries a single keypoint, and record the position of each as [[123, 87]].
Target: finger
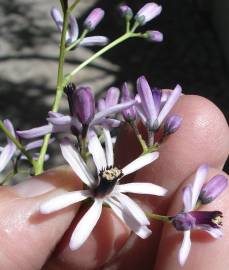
[[206, 252], [27, 237], [202, 138]]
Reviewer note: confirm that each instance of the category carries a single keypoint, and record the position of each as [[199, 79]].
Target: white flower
[[104, 189]]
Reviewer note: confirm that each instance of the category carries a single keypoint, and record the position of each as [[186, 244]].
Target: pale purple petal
[[147, 100], [94, 18], [112, 96], [94, 41], [185, 248], [63, 120], [62, 201], [154, 36], [140, 162], [199, 180], [148, 12], [96, 149], [6, 155], [141, 113], [214, 232], [57, 17], [142, 188], [156, 93], [110, 123], [114, 109], [86, 225], [35, 132], [101, 104], [108, 147], [8, 124], [73, 30], [174, 96], [76, 162], [36, 144], [133, 209], [187, 198], [54, 114]]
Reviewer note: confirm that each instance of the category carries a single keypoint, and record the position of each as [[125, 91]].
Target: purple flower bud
[[154, 36], [172, 124], [94, 18], [112, 96], [126, 11], [212, 189], [57, 17], [147, 13], [197, 219], [130, 113], [83, 104]]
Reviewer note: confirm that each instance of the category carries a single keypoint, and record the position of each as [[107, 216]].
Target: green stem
[[11, 174], [165, 219], [59, 92], [17, 143], [73, 5], [99, 53], [139, 137], [74, 44]]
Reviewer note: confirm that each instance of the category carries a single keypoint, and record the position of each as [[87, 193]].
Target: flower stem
[[74, 44], [59, 92], [165, 219], [11, 174], [139, 137], [17, 143]]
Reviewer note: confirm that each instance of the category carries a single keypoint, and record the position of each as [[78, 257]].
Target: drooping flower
[[152, 106], [191, 219], [148, 12], [104, 188], [59, 123], [72, 33], [94, 18]]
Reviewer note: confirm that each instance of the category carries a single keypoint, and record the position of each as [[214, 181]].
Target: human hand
[[30, 240]]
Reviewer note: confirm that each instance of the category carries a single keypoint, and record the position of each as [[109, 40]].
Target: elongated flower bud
[[212, 189], [83, 104], [57, 18], [126, 11], [130, 113], [112, 96], [154, 36], [147, 13], [94, 18], [172, 124]]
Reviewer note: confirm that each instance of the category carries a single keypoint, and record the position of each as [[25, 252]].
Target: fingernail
[[33, 187]]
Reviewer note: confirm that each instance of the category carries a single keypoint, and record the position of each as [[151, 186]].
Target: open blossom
[[72, 33], [104, 188], [152, 105], [191, 219], [82, 113]]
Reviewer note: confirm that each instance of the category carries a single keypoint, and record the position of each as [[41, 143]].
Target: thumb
[[27, 237]]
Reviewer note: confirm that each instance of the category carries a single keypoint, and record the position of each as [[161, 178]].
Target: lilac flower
[[154, 36], [68, 124], [213, 188], [126, 11], [94, 18], [105, 188], [73, 31], [148, 12], [152, 108], [9, 150], [130, 113], [172, 124], [190, 219]]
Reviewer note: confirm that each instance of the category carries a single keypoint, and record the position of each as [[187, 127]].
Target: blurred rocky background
[[194, 53]]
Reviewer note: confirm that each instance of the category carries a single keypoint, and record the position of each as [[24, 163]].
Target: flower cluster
[[88, 144]]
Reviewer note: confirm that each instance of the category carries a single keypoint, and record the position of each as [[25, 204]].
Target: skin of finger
[[206, 252], [202, 138], [27, 237]]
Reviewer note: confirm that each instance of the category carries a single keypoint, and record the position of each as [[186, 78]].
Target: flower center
[[107, 180], [218, 220]]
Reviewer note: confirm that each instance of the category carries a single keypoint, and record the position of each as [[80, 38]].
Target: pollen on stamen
[[111, 173], [218, 220]]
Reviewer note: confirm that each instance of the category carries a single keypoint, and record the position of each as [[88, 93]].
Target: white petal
[[63, 201], [142, 188], [76, 162], [140, 162], [141, 231], [185, 248], [86, 225], [6, 155], [129, 205], [96, 149], [199, 180], [174, 96], [187, 198], [214, 232], [109, 147]]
